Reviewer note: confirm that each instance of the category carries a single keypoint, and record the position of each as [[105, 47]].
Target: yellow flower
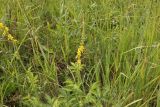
[[6, 33], [79, 53], [10, 37], [6, 29], [1, 26]]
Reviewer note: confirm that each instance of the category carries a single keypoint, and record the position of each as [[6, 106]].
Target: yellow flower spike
[[6, 33], [79, 53]]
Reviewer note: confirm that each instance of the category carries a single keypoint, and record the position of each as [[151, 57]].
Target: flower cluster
[[79, 53], [6, 33]]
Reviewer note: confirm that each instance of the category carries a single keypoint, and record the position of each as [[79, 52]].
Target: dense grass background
[[120, 66]]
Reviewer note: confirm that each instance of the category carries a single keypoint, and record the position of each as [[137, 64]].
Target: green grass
[[120, 65]]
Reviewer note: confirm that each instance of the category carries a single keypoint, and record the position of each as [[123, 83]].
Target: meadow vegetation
[[79, 53]]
